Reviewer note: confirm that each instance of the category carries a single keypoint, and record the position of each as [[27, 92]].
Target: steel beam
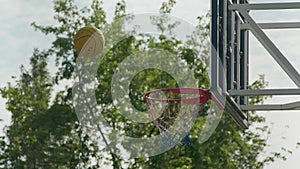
[[236, 113], [288, 106], [264, 92], [265, 6], [278, 25], [214, 45]]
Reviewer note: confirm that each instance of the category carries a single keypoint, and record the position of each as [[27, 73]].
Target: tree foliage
[[47, 134], [41, 133]]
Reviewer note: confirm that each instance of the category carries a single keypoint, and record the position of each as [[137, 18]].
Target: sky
[[18, 39]]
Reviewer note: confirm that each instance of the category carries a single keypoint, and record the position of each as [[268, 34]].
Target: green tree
[[42, 134], [45, 134]]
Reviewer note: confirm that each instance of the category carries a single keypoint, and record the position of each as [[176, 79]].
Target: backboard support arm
[[230, 27], [267, 43]]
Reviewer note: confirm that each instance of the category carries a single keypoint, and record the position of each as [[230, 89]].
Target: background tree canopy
[[47, 134]]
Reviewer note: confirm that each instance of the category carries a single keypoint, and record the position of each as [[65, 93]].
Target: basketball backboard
[[229, 64], [230, 27]]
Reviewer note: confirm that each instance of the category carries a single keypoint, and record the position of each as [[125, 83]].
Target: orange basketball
[[89, 41]]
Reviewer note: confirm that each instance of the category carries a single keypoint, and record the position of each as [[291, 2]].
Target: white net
[[174, 112]]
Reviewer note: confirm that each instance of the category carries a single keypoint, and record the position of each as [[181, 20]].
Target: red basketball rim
[[204, 95]]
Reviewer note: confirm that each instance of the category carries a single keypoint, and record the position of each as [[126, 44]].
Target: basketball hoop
[[174, 111]]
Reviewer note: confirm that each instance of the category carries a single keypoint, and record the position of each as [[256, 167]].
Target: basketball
[[89, 41]]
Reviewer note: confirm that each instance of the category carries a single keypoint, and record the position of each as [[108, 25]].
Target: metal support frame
[[256, 29], [270, 47], [231, 24]]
